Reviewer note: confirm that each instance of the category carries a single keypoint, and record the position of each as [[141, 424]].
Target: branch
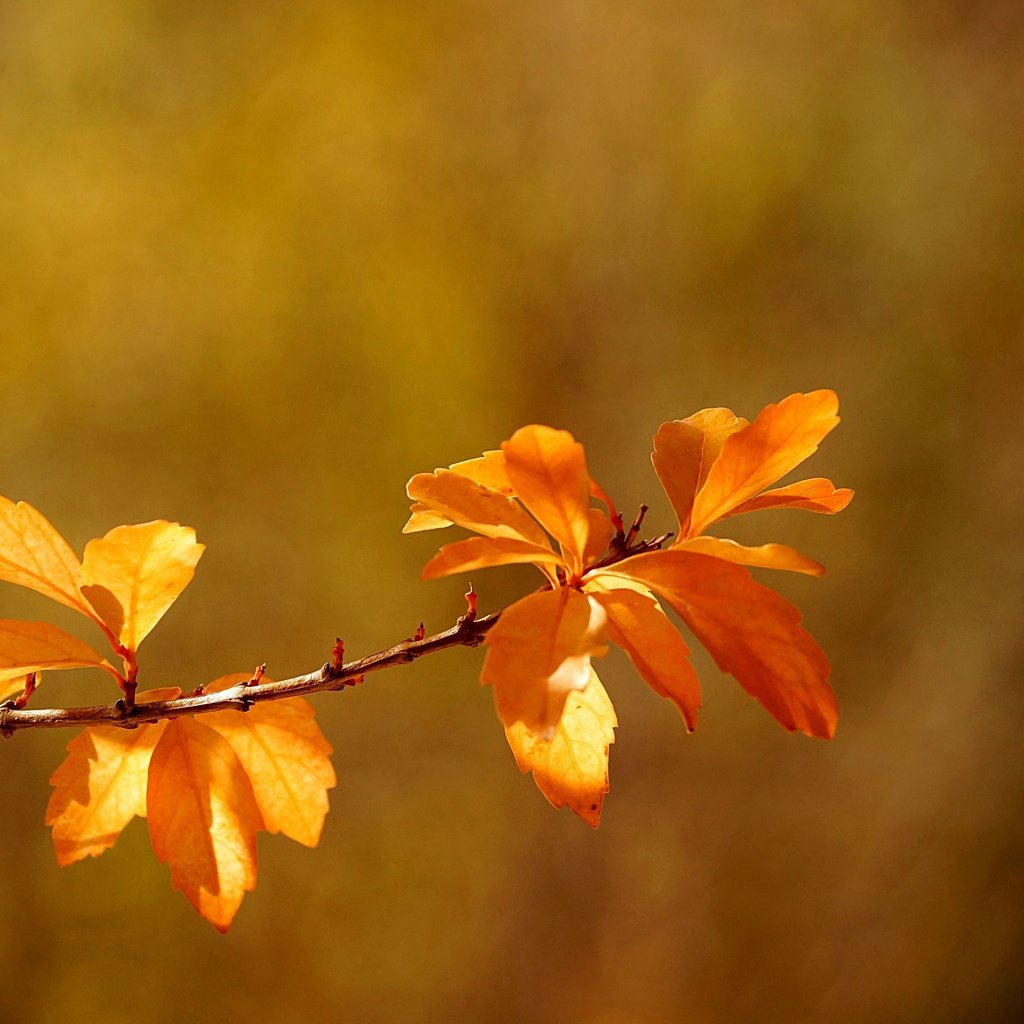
[[467, 632]]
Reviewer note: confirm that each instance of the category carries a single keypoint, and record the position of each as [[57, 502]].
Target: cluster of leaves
[[207, 787], [601, 586]]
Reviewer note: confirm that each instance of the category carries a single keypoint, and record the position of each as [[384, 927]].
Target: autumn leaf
[[101, 785], [684, 452], [473, 506], [764, 556], [37, 646], [754, 457], [752, 633], [485, 552], [286, 758], [814, 495], [133, 574], [203, 818], [637, 624], [34, 555], [571, 768], [548, 470], [538, 652]]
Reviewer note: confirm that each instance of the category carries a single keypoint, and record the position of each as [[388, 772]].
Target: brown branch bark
[[467, 632]]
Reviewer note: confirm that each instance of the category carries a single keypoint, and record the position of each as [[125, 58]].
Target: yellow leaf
[[779, 439], [752, 633], [203, 818], [548, 470], [538, 652], [638, 625], [286, 757], [487, 469], [572, 767], [765, 556], [99, 788], [474, 507], [484, 552], [684, 451], [814, 495], [421, 518], [34, 555], [34, 646], [135, 573]]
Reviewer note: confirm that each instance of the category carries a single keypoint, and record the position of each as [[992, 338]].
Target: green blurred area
[[262, 262]]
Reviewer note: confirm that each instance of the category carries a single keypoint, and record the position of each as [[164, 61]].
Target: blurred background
[[260, 263]]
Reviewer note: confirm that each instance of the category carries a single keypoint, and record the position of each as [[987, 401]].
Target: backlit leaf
[[203, 818], [572, 767], [601, 531], [286, 758], [764, 556], [421, 518], [814, 495], [135, 573], [752, 633], [538, 652], [753, 458], [638, 625], [483, 552], [487, 469], [548, 470], [99, 788], [474, 507], [36, 646], [101, 785], [684, 451], [34, 555]]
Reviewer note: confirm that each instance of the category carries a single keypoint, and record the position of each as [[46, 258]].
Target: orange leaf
[[487, 469], [752, 633], [421, 518], [34, 646], [765, 556], [203, 818], [600, 537], [99, 788], [538, 652], [684, 451], [814, 495], [34, 555], [753, 458], [484, 552], [572, 767], [135, 573], [473, 506], [286, 757], [638, 625], [548, 470]]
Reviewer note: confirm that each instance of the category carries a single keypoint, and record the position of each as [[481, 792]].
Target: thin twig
[[467, 632]]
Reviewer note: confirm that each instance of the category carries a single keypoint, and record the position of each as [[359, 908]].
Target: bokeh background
[[259, 263]]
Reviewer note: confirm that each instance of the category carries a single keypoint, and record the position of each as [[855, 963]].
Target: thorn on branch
[[338, 654], [257, 675], [421, 631], [470, 615]]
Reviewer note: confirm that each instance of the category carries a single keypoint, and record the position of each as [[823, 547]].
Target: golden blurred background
[[261, 262]]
